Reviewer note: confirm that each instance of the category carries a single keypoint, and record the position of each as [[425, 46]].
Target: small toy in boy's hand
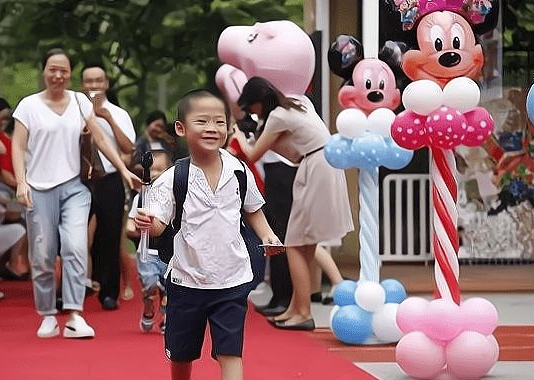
[[272, 249], [146, 162], [143, 219]]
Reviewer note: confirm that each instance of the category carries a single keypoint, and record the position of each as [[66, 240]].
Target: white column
[[322, 23], [370, 26]]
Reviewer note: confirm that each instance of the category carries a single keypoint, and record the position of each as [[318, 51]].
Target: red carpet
[[121, 351]]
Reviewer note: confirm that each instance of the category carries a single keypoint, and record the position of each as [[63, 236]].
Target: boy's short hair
[[184, 104]]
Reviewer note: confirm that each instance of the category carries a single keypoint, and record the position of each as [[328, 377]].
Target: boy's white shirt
[[209, 251]]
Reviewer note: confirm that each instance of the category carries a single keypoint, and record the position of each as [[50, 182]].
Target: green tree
[[146, 44], [518, 25]]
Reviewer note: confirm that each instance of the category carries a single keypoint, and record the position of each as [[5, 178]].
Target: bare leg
[[231, 367], [181, 370], [18, 261], [91, 227], [299, 309], [328, 265], [315, 276], [126, 269]]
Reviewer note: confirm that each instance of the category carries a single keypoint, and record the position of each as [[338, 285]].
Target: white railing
[[406, 218]]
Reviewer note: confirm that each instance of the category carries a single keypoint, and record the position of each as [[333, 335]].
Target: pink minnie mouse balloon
[[479, 126], [373, 87], [446, 128], [408, 130]]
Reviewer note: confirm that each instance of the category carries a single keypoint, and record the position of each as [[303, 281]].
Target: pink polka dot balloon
[[479, 126], [446, 127], [408, 130]]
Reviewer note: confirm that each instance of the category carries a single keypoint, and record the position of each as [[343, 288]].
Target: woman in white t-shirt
[[46, 161]]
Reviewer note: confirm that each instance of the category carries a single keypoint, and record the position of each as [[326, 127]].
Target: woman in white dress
[[320, 209]]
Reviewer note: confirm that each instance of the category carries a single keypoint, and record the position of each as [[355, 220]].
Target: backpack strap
[[179, 188], [242, 179]]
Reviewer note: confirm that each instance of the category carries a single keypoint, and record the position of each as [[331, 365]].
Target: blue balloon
[[530, 104], [337, 151], [397, 157], [344, 293], [352, 325], [364, 152], [395, 292]]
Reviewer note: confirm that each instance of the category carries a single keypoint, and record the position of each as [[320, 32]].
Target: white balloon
[[385, 325], [370, 295], [461, 93], [380, 121], [351, 123], [422, 97]]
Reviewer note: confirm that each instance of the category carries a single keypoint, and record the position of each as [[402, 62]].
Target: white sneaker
[[49, 327], [76, 327]]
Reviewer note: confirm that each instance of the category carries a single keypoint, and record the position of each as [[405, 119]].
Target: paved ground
[[509, 287]]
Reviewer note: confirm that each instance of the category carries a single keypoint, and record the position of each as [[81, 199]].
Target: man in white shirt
[[108, 195]]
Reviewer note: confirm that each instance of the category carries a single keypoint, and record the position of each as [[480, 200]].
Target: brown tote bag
[[91, 168]]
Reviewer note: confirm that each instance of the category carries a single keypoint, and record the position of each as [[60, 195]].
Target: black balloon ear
[[343, 55], [392, 52], [490, 21]]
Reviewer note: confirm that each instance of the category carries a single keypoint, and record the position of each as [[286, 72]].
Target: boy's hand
[[272, 246], [143, 220]]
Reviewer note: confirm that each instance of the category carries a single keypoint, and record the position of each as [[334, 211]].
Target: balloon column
[[442, 113], [364, 308]]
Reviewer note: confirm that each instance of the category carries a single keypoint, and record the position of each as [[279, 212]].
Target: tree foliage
[[518, 25], [144, 43]]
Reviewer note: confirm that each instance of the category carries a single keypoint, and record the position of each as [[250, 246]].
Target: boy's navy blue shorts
[[189, 309]]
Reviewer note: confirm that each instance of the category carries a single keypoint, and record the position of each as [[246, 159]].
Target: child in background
[[209, 276], [151, 273]]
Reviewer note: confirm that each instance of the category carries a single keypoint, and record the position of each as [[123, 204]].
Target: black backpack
[[165, 242]]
